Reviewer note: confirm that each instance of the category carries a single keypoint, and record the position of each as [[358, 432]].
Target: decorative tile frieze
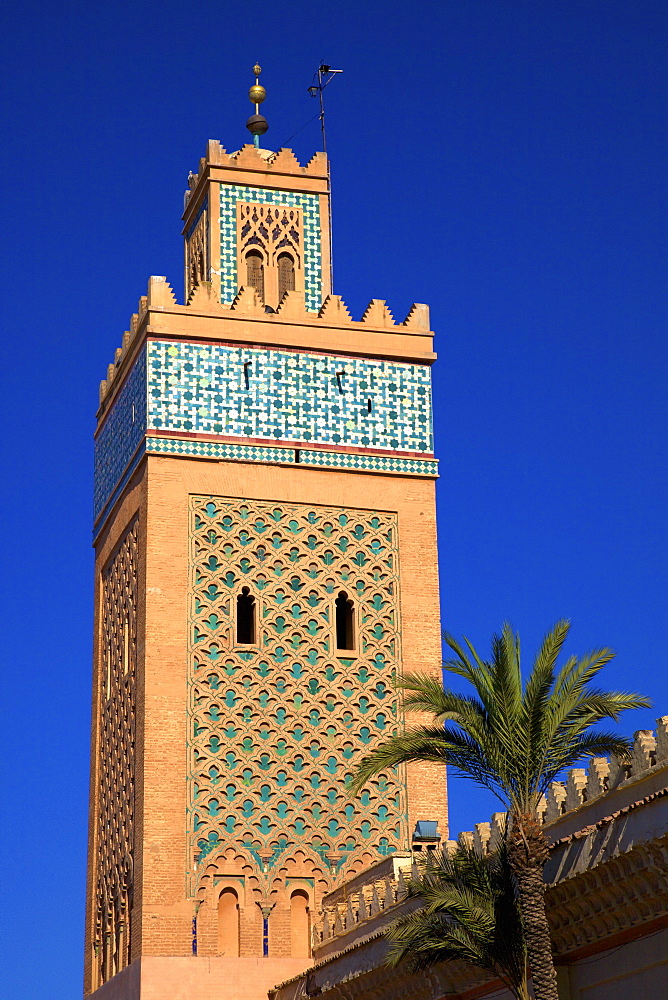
[[291, 456], [289, 396], [187, 392], [218, 449], [369, 463], [121, 434]]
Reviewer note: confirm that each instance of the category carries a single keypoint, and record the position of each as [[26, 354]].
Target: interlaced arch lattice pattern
[[115, 817], [270, 240], [274, 229], [275, 731]]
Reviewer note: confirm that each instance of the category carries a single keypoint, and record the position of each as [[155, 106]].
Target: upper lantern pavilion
[[265, 541]]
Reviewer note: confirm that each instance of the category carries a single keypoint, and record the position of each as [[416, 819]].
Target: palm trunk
[[528, 853]]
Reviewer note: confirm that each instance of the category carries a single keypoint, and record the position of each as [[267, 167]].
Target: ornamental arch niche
[[270, 241], [228, 923], [300, 923]]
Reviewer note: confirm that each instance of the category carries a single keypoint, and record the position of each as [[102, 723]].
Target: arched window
[[300, 929], [228, 923], [286, 275], [255, 272], [345, 622], [245, 617]]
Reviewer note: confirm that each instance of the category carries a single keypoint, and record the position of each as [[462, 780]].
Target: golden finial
[[257, 124], [257, 93]]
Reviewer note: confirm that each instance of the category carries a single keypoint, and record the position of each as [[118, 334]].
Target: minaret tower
[[265, 542]]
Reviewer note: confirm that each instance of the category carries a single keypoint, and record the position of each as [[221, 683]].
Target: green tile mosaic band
[[280, 396], [287, 456], [370, 463], [219, 449], [121, 434], [289, 396], [230, 194]]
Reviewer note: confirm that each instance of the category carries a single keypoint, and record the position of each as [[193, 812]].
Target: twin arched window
[[247, 620], [255, 273], [229, 925]]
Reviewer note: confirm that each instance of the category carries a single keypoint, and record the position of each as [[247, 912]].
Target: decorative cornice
[[622, 893]]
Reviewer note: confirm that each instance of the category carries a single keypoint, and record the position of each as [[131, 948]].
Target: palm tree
[[513, 739], [469, 912]]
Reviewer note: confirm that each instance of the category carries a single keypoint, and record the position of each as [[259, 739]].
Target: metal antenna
[[325, 76]]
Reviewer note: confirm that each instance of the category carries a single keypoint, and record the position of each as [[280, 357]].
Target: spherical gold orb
[[257, 94], [257, 70]]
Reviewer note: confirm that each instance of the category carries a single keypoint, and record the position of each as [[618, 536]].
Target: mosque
[[266, 563]]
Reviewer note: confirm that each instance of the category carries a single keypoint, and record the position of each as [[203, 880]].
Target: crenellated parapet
[[357, 907], [245, 382], [279, 165], [333, 315], [605, 785]]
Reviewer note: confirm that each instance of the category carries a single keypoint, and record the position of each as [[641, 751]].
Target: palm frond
[[466, 897], [594, 743], [539, 685], [442, 746], [478, 673], [426, 694], [505, 717], [514, 739]]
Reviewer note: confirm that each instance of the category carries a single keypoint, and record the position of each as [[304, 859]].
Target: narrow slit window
[[107, 686], [126, 648], [345, 623], [255, 272], [246, 617], [286, 275]]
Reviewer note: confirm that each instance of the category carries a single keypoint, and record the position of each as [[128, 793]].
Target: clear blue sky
[[502, 160]]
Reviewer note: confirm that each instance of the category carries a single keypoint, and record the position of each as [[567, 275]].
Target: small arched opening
[[345, 622], [286, 274], [228, 923], [300, 924], [246, 617], [255, 272]]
